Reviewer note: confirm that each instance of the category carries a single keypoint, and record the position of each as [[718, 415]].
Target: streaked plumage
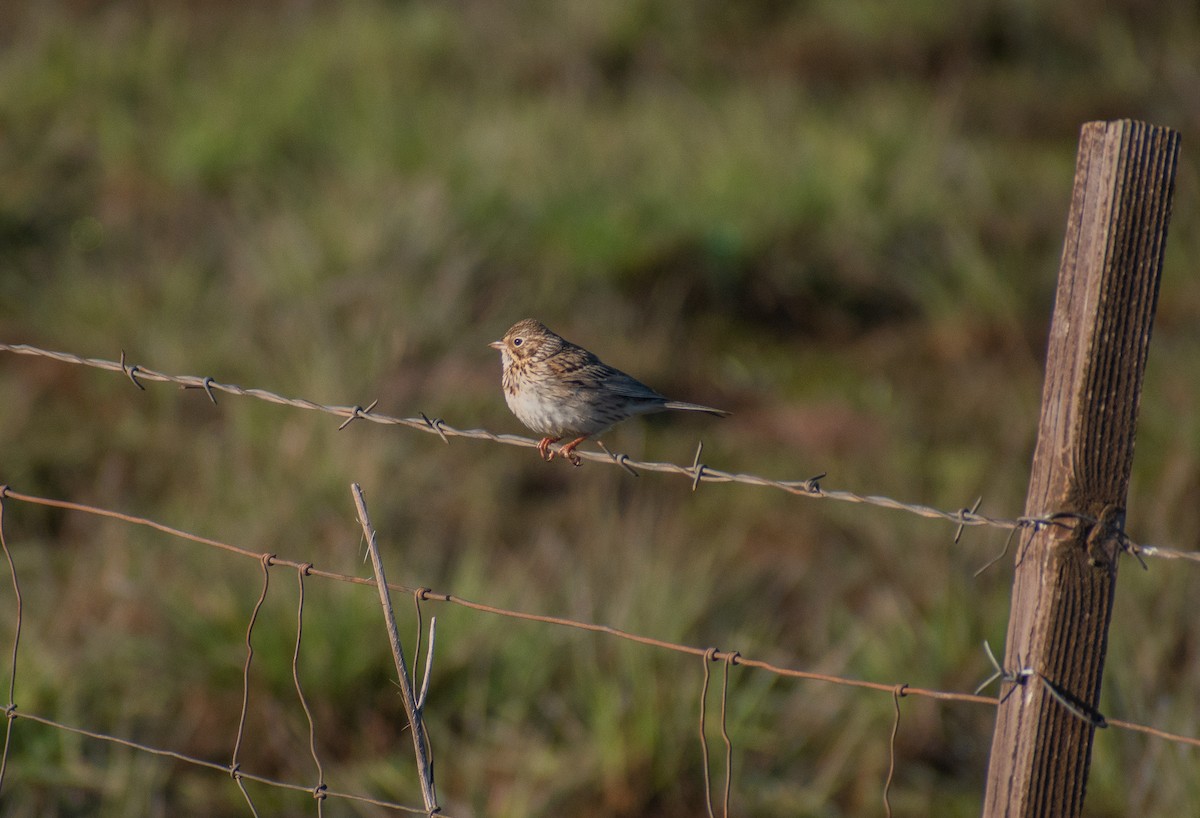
[[561, 390]]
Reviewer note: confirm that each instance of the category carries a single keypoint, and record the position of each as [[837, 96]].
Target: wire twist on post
[[1080, 710]]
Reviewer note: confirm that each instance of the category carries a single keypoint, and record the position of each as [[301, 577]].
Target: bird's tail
[[695, 407]]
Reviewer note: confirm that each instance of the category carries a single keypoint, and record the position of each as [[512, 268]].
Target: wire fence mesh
[[1010, 679]]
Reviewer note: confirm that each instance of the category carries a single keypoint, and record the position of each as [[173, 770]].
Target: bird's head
[[527, 340]]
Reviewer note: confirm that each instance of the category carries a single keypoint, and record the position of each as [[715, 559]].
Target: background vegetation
[[840, 220]]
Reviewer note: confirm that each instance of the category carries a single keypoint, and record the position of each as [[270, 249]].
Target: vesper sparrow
[[561, 390]]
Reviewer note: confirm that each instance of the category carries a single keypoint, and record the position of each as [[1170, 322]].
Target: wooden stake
[[1065, 574]]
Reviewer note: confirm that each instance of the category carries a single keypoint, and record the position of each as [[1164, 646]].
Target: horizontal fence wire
[[235, 772], [697, 472], [426, 594]]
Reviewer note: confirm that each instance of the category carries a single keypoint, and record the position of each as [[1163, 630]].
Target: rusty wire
[[898, 693], [233, 769], [729, 661], [234, 764], [10, 708], [422, 593], [319, 789], [222, 768], [734, 657], [708, 656]]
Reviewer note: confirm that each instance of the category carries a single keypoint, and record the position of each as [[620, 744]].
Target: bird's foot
[[568, 451], [543, 447]]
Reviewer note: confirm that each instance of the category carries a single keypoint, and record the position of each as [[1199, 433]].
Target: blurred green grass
[[840, 220]]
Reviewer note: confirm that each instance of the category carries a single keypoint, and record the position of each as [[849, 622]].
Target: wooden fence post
[[1065, 574]]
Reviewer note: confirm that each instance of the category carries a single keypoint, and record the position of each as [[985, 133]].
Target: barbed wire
[[697, 472]]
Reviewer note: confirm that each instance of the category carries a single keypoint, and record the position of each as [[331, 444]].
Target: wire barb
[[206, 384], [437, 425], [813, 484], [131, 372], [698, 467], [621, 460], [963, 515], [358, 413], [1014, 678]]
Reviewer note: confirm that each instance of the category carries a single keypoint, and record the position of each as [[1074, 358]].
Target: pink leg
[[544, 447], [568, 451]]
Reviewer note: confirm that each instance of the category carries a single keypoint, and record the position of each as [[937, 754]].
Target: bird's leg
[[544, 447], [568, 451]]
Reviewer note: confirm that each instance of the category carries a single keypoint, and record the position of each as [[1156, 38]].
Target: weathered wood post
[[1065, 575]]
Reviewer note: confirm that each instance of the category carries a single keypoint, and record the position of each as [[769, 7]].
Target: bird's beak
[[496, 345]]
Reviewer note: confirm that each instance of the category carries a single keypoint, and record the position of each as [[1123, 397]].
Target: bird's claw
[[566, 452], [543, 448]]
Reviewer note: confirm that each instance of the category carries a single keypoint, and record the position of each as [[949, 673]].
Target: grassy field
[[841, 221]]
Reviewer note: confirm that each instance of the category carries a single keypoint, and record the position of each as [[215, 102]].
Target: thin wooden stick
[[411, 708]]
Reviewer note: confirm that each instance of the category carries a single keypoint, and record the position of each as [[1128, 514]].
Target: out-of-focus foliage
[[840, 220]]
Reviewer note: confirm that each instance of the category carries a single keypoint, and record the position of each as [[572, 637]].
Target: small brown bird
[[561, 390]]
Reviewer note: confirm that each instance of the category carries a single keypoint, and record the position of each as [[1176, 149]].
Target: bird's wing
[[583, 371], [627, 386]]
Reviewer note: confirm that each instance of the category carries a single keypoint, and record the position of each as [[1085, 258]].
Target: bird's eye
[[518, 341]]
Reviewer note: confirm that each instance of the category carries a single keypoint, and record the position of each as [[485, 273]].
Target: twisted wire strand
[[733, 657], [697, 472]]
